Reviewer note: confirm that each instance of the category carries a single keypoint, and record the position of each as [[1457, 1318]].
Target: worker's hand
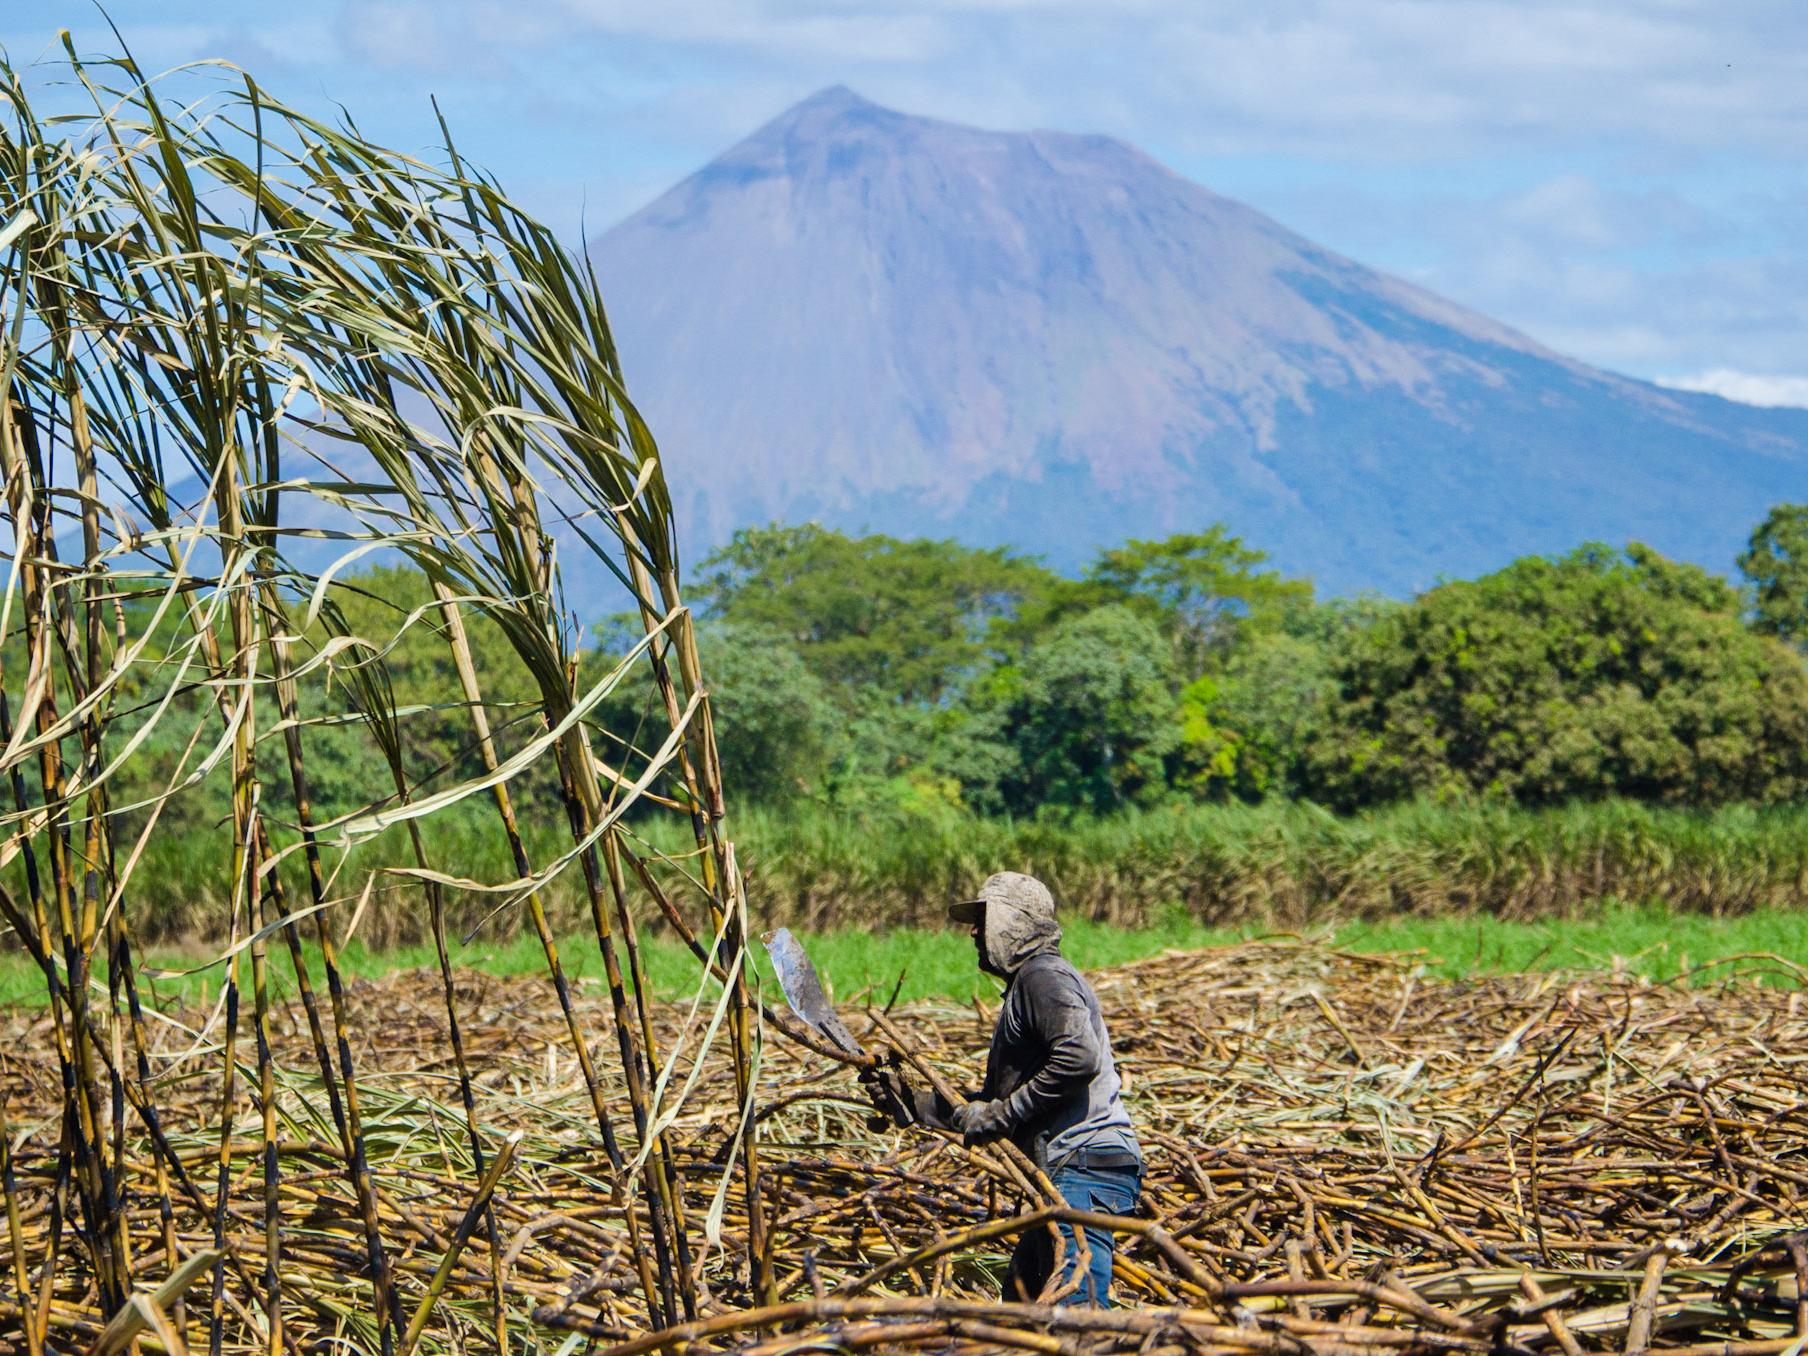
[[980, 1120], [890, 1094]]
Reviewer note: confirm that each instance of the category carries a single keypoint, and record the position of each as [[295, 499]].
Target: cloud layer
[[1374, 79], [1618, 177], [1748, 387]]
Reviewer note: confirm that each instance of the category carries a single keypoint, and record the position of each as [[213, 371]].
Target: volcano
[[1050, 341]]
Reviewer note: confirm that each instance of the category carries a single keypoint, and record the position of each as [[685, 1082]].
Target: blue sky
[[1623, 179]]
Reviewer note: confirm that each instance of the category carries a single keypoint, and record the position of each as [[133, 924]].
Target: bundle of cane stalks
[[1345, 1156]]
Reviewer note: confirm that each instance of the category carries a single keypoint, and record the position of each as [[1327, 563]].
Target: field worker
[[1051, 1083]]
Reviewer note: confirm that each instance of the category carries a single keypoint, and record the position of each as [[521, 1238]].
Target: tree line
[[869, 673], [862, 670]]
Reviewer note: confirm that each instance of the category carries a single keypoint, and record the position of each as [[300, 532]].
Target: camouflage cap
[[1012, 889]]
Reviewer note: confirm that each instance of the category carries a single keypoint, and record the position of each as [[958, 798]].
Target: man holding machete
[[1051, 1083]]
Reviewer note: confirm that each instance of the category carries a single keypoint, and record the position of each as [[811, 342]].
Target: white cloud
[[1574, 211], [1749, 388], [1687, 315], [1370, 79], [400, 35], [769, 29], [1623, 271], [1409, 79], [1603, 251], [1618, 178]]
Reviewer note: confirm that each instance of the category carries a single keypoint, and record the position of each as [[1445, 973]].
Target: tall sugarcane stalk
[[60, 933], [376, 705], [665, 1174], [194, 298], [700, 769], [342, 1089]]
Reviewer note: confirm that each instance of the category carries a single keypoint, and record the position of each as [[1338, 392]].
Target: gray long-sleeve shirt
[[1051, 1066]]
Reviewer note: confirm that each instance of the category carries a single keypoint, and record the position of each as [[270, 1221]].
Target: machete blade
[[803, 990]]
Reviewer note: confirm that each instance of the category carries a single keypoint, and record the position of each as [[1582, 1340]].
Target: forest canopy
[[1189, 668], [870, 672]]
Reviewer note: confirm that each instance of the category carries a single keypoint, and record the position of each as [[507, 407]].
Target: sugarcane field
[[1342, 1156], [478, 874]]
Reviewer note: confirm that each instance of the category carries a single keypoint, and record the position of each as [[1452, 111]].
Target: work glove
[[890, 1095], [980, 1120]]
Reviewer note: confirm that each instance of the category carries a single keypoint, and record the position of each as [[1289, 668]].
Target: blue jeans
[[1108, 1191]]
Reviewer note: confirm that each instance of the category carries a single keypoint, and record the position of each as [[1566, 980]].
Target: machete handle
[[795, 1028]]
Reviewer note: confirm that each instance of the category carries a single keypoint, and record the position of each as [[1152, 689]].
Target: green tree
[[920, 758], [438, 738], [1206, 590], [775, 725], [1775, 563], [1090, 715], [870, 615], [1594, 674], [1247, 727]]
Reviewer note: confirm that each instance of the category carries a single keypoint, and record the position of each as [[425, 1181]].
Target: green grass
[[1270, 866], [1651, 940]]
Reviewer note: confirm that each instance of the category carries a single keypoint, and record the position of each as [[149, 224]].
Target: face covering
[[1012, 937]]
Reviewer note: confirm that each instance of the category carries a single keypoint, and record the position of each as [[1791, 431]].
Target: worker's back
[[1051, 1057]]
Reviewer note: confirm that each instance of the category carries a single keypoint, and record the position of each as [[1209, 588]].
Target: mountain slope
[[1050, 341]]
